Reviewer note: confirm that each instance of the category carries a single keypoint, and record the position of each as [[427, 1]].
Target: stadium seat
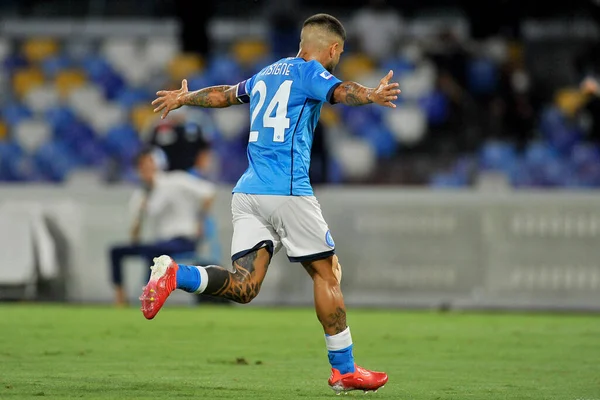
[[67, 80], [78, 49], [436, 107], [248, 51], [417, 84], [14, 62], [31, 134], [184, 65], [84, 99], [106, 116], [122, 142], [356, 157], [55, 161], [25, 79], [121, 52], [482, 76], [569, 100], [330, 115], [381, 139], [158, 52], [3, 130], [232, 121], [95, 66], [129, 97], [143, 116], [539, 153], [13, 113], [585, 154], [224, 68], [38, 49], [6, 48], [54, 64], [41, 98], [400, 66], [407, 123], [353, 66], [497, 155], [447, 180]]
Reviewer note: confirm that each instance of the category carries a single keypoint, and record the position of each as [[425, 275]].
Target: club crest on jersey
[[329, 239], [326, 75]]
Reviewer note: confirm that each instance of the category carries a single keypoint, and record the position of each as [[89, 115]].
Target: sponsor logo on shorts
[[329, 239]]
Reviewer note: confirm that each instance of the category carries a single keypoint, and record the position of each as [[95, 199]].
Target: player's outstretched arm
[[210, 97], [355, 94]]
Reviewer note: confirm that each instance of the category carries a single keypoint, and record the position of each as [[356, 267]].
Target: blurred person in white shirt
[[173, 206]]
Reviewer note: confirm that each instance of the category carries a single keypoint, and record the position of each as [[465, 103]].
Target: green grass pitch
[[74, 352]]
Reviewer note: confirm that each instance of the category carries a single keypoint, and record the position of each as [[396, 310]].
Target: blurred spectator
[[174, 204], [181, 140], [377, 30]]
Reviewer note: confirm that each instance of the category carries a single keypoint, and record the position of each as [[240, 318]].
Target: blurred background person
[[174, 205]]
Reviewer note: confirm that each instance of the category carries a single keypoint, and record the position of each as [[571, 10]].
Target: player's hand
[[386, 92], [169, 100]]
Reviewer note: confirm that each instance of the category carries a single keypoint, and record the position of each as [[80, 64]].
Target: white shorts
[[268, 221]]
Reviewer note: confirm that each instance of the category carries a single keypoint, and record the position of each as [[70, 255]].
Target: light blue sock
[[339, 350], [342, 360], [188, 278]]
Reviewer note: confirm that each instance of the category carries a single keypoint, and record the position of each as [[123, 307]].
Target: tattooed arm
[[354, 94], [210, 97]]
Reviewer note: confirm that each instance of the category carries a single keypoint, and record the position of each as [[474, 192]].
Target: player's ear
[[333, 49]]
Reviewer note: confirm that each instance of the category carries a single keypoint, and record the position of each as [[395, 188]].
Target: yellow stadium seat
[[67, 80], [142, 116], [247, 52], [25, 79], [38, 49], [329, 116], [184, 65], [3, 130], [569, 100], [355, 65]]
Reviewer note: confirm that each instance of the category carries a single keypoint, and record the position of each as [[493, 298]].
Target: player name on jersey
[[280, 68]]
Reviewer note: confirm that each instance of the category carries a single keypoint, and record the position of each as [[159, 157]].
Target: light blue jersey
[[285, 104]]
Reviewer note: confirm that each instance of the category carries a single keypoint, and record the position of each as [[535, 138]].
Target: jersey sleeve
[[317, 82], [243, 90]]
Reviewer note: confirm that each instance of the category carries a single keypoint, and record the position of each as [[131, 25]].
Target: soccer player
[[273, 203]]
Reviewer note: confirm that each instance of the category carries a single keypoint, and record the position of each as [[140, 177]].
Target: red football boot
[[162, 282], [360, 379]]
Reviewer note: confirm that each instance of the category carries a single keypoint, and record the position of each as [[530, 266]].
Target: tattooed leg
[[243, 283], [329, 301]]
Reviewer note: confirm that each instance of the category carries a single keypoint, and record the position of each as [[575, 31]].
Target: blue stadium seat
[[584, 154], [382, 140], [129, 97], [122, 142], [497, 155], [54, 64], [558, 131], [539, 153], [224, 69], [13, 113], [482, 76], [436, 107], [14, 62], [449, 180], [54, 160], [399, 65]]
